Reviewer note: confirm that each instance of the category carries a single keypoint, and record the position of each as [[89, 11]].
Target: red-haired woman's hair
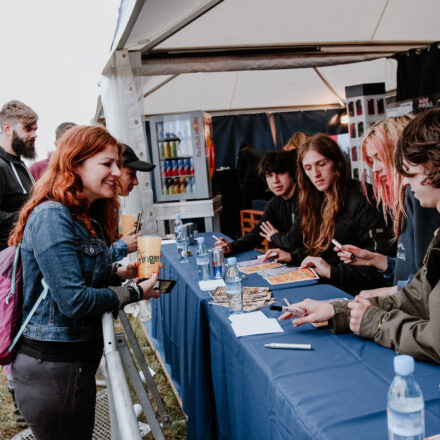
[[390, 195], [319, 210], [61, 182]]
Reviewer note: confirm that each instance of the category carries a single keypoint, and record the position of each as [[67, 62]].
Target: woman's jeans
[[56, 399]]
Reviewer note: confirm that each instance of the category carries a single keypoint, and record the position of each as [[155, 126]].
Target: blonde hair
[[295, 141], [384, 136]]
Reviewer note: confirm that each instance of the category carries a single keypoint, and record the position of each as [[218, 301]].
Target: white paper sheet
[[254, 323], [169, 241], [211, 284]]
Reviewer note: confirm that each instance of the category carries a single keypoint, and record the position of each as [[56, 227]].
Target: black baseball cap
[[132, 161]]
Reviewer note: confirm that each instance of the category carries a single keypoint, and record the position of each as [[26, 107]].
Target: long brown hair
[[61, 182], [319, 210]]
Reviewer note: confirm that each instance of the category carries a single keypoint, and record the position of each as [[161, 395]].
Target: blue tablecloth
[[235, 388]]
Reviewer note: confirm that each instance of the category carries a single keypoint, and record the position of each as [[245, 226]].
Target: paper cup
[[148, 255], [127, 223]]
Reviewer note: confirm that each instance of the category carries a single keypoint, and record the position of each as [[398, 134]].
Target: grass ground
[[176, 431]]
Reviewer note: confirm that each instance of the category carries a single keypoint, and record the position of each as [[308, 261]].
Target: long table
[[235, 388]]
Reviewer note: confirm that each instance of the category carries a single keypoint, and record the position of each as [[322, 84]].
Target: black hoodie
[[15, 185]]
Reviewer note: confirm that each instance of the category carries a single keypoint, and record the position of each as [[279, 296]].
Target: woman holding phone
[[409, 320], [65, 229], [414, 225], [332, 206]]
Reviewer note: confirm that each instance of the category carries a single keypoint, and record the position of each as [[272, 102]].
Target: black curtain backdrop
[[418, 72], [309, 122], [229, 132]]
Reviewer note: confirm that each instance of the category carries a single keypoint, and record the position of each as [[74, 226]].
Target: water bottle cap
[[232, 261], [403, 365], [177, 215], [201, 240]]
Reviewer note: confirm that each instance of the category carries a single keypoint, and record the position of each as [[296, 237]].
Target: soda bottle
[[405, 405], [233, 286], [182, 244], [177, 222], [202, 259]]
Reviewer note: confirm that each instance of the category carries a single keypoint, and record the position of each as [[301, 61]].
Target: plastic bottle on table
[[177, 222], [202, 259], [233, 286], [182, 244], [405, 405]]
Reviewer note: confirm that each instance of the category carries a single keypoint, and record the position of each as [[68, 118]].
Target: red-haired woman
[[414, 225], [65, 229], [333, 206]]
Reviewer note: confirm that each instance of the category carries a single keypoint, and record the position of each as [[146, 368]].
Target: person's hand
[[320, 266], [148, 287], [128, 271], [363, 257], [224, 244], [382, 291], [130, 239], [278, 255], [315, 311], [358, 307], [267, 230]]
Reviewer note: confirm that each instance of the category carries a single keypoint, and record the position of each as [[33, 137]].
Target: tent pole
[[329, 87]]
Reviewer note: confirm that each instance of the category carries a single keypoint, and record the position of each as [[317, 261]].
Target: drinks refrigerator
[[183, 151]]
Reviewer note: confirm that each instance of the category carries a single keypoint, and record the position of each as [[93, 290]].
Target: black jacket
[[282, 214], [358, 223], [15, 185]]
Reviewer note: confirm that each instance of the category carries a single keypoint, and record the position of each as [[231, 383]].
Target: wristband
[[136, 292]]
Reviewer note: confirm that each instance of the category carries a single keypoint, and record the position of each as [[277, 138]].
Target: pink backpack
[[11, 302]]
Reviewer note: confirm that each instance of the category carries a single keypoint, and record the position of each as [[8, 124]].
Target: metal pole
[[126, 418]]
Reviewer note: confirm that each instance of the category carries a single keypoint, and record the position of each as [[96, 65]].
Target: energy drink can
[[217, 262]]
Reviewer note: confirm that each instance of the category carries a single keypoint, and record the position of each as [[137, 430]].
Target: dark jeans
[[57, 399]]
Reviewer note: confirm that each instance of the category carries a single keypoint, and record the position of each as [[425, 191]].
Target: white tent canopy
[[252, 55]]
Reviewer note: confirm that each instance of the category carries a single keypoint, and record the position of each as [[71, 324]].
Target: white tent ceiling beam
[[158, 86], [321, 76]]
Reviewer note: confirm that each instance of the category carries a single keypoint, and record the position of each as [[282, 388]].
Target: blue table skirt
[[235, 388]]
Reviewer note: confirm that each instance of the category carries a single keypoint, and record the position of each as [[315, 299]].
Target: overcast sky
[[53, 52]]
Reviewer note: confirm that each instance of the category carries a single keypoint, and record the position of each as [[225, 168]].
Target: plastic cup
[[148, 255], [127, 223]]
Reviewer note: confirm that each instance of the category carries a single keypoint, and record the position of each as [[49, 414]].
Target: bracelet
[[136, 292], [115, 268]]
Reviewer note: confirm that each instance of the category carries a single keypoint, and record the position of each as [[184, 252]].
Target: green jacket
[[408, 321]]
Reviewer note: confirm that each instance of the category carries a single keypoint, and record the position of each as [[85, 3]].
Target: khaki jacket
[[408, 321]]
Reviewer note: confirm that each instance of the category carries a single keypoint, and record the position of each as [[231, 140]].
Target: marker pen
[[339, 246], [297, 310], [289, 346]]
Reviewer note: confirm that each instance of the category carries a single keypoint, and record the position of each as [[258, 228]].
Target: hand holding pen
[[308, 311], [223, 243]]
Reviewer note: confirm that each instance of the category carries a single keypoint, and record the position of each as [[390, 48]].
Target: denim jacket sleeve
[[55, 246], [118, 250]]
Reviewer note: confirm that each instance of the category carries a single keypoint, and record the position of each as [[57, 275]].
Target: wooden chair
[[249, 218]]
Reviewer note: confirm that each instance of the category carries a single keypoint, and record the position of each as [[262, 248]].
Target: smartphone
[[165, 286], [139, 221]]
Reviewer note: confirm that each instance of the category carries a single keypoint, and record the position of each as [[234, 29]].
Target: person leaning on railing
[[65, 229]]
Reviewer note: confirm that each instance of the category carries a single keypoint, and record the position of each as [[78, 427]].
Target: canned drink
[[180, 167], [191, 165], [217, 262], [186, 167], [163, 168], [166, 149], [189, 185], [189, 227], [174, 167], [183, 185], [169, 168], [169, 183], [176, 186], [173, 148], [159, 130]]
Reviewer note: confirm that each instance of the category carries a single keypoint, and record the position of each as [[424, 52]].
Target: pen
[[339, 246], [289, 346], [297, 310], [214, 236], [286, 302]]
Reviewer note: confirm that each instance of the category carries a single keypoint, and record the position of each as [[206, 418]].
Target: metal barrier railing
[[121, 406]]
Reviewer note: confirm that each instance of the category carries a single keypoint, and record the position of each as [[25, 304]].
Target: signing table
[[235, 388]]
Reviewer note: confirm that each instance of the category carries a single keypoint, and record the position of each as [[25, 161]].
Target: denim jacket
[[118, 250], [77, 268]]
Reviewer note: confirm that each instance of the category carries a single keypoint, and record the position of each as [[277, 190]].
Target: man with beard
[[18, 124]]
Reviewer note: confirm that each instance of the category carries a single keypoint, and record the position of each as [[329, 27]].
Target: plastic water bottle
[[405, 405], [202, 259], [182, 244], [233, 286], [177, 222]]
